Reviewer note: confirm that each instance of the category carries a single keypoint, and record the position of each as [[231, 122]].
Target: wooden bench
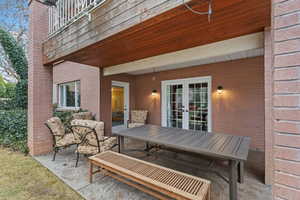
[[158, 181]]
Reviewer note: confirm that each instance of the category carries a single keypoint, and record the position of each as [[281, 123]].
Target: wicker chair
[[138, 118], [91, 134], [61, 137]]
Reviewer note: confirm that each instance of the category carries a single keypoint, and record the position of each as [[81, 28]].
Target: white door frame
[[185, 99], [125, 85]]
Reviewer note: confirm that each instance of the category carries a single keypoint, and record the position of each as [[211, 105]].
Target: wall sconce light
[[154, 92], [220, 89]]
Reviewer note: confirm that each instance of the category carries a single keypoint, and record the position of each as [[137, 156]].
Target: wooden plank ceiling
[[175, 30]]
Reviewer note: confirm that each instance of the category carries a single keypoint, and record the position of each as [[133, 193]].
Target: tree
[[13, 19], [18, 60]]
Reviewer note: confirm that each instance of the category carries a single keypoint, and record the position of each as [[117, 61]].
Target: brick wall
[[89, 78], [286, 99], [40, 82]]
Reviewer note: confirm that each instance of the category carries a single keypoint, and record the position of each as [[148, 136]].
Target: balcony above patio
[[108, 33]]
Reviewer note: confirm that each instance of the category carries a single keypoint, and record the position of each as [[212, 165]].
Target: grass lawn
[[23, 178]]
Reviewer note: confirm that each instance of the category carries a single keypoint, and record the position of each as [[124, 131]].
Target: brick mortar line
[[278, 41], [285, 27], [287, 53], [287, 134], [286, 94], [288, 67], [289, 121], [291, 107], [280, 2], [289, 174], [287, 186], [286, 160], [286, 14], [291, 161], [288, 81], [287, 147], [287, 108]]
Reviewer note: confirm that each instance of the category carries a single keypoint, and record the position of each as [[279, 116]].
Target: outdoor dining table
[[232, 148]]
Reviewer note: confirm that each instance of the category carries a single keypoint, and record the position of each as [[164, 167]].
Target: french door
[[186, 103]]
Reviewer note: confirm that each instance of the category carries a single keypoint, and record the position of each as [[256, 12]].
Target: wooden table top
[[223, 146]]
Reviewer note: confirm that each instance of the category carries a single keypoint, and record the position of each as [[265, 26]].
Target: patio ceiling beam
[[192, 56]]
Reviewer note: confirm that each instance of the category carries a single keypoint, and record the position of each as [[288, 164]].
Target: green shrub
[[6, 104], [65, 115], [20, 99], [13, 129]]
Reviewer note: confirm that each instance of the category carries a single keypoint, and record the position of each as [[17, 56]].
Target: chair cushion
[[109, 141], [68, 139], [92, 150], [139, 116], [132, 125], [56, 126], [98, 126]]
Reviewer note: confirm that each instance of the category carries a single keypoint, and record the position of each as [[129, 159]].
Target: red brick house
[[250, 50]]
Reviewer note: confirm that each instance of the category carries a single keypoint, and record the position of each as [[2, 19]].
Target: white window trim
[[186, 81], [64, 107]]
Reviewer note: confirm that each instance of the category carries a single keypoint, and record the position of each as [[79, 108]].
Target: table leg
[[120, 143], [241, 172], [147, 148], [233, 179], [91, 172]]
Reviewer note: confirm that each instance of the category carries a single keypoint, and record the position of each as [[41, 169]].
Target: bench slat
[[179, 184]]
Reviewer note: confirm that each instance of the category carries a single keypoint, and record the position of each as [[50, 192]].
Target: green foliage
[[7, 89], [18, 60], [10, 90], [65, 116], [20, 99], [15, 53], [13, 129], [6, 104]]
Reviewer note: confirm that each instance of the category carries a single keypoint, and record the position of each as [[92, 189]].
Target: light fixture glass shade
[[154, 92], [220, 90]]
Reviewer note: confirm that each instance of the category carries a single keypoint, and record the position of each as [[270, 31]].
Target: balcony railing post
[[67, 11]]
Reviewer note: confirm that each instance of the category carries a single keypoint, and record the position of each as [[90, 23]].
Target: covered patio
[[187, 72], [106, 188]]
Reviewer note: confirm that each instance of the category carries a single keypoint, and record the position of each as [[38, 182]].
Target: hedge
[[13, 129]]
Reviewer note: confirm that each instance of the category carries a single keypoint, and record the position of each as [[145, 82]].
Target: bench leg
[[241, 172], [233, 179], [91, 172]]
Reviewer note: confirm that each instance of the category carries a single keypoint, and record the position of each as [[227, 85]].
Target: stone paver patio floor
[[106, 188]]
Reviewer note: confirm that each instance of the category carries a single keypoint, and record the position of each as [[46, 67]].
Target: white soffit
[[241, 47]]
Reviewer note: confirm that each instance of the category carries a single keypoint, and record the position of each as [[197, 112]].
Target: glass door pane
[[175, 106], [117, 103], [198, 106]]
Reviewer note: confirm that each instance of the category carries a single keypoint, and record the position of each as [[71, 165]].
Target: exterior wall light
[[154, 92], [220, 89]]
